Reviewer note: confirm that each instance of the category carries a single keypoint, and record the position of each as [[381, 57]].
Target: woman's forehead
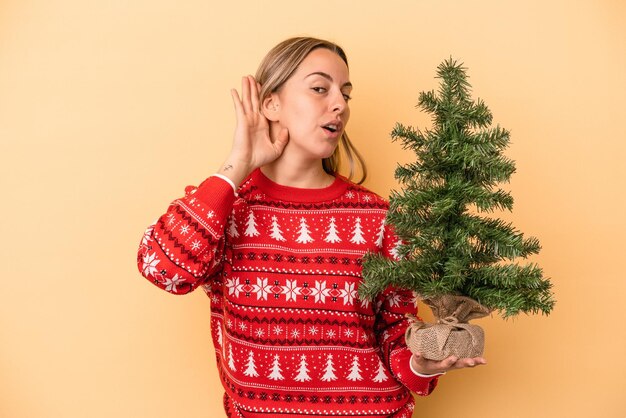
[[322, 62]]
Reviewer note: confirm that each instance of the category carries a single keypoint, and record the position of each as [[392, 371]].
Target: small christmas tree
[[276, 233], [220, 338], [329, 370], [355, 370], [232, 227], [357, 233], [231, 358], [304, 236], [448, 248], [332, 232], [251, 370], [381, 375], [276, 371], [251, 230], [303, 371]]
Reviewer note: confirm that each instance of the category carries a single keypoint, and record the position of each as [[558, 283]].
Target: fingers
[[250, 90], [449, 363], [427, 366], [479, 361], [237, 103], [249, 103], [245, 94], [255, 89], [469, 362]]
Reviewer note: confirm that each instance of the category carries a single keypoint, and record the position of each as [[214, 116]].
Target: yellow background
[[108, 109]]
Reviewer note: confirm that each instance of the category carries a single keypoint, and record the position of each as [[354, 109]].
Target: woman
[[276, 238]]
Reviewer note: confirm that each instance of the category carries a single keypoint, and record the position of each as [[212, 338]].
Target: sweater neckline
[[297, 194]]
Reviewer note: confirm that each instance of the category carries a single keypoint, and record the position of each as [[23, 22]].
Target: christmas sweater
[[281, 266]]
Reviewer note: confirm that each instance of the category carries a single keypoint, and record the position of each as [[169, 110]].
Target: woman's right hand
[[253, 145]]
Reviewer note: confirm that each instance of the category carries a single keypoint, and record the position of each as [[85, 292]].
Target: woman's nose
[[339, 103]]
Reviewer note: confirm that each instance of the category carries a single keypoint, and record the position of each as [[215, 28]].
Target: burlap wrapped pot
[[451, 335]]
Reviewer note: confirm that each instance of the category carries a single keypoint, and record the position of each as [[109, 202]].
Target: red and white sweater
[[282, 266]]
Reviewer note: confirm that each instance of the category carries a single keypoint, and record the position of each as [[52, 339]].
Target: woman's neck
[[303, 175]]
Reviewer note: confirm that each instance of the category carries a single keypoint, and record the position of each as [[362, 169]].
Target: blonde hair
[[278, 66]]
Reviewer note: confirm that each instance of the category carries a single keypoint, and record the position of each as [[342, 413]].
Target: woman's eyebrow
[[328, 77]]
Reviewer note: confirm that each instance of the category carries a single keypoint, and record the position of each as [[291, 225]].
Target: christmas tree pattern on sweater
[[282, 273]]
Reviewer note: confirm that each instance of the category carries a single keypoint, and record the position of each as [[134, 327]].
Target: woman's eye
[[322, 90]]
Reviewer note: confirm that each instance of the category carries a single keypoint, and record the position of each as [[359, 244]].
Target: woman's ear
[[271, 107]]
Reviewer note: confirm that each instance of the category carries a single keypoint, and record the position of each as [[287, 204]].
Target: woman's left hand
[[425, 366]]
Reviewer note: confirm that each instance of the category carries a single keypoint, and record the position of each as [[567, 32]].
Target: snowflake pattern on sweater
[[282, 266]]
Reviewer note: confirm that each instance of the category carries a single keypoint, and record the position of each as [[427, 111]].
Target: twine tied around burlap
[[451, 335]]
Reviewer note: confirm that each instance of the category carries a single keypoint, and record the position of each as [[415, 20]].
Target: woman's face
[[313, 104]]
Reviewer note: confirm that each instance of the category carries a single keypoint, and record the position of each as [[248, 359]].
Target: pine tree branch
[[511, 289]]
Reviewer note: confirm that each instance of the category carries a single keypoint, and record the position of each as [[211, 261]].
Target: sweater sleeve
[[392, 307], [185, 246]]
